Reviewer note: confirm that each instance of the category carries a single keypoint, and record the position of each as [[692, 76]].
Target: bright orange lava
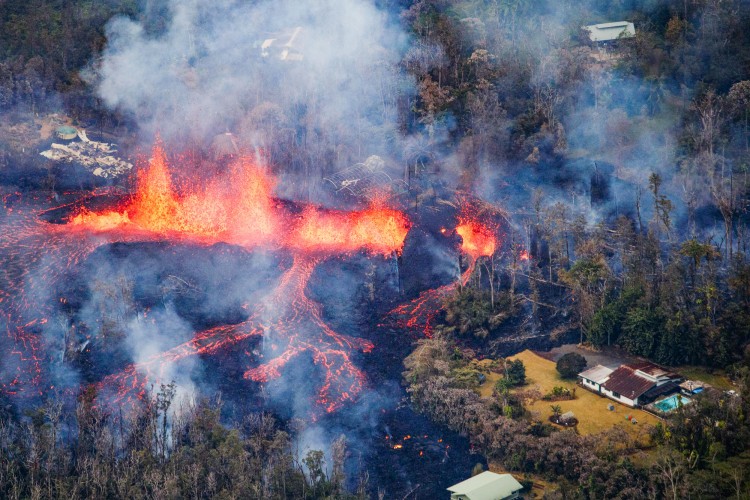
[[238, 208], [241, 210], [478, 239]]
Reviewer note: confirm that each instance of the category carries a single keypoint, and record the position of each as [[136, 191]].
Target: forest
[[617, 177]]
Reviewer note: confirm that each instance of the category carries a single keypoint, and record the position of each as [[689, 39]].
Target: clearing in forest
[[590, 409]]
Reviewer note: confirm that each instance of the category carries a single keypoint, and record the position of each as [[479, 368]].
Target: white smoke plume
[[324, 80]]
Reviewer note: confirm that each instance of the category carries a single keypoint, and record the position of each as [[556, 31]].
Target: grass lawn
[[717, 379], [590, 409]]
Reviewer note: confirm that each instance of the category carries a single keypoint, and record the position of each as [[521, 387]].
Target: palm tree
[[556, 412]]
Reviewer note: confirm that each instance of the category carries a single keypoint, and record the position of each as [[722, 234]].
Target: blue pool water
[[670, 403]]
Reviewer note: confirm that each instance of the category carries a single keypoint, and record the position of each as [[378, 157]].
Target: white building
[[593, 378], [486, 486], [631, 385], [607, 32]]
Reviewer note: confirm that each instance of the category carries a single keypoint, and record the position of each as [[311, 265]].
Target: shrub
[[515, 372], [571, 364], [559, 393]]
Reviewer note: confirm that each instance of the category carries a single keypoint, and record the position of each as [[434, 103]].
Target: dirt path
[[609, 357]]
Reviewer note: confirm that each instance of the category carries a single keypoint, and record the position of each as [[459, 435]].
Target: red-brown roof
[[625, 382], [652, 369]]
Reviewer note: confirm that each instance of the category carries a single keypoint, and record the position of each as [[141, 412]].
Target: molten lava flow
[[379, 230], [239, 210], [132, 382], [478, 240], [296, 322]]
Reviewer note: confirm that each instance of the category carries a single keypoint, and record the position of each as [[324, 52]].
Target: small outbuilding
[[692, 387], [284, 46], [366, 180], [608, 32], [487, 486]]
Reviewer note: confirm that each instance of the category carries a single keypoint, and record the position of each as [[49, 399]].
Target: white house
[[593, 378], [629, 384], [633, 385], [607, 32], [486, 486]]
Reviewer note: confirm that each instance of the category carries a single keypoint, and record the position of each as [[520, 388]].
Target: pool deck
[[657, 410]]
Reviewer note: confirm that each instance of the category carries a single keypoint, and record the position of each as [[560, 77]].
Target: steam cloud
[[329, 85]]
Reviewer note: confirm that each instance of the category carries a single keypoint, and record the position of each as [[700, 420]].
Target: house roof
[[283, 46], [653, 370], [367, 179], [627, 383], [66, 129], [605, 32], [598, 374], [487, 486]]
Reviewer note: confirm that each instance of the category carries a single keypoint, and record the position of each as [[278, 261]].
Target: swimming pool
[[670, 403]]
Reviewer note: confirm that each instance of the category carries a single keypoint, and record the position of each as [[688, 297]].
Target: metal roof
[[627, 383], [598, 374], [487, 486], [283, 46], [610, 31], [365, 179], [653, 370]]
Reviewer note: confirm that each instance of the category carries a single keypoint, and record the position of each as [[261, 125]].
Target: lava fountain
[[238, 209]]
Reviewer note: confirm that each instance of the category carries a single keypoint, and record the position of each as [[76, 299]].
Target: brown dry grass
[[539, 488], [590, 409]]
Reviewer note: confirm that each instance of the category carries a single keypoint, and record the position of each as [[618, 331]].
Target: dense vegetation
[[43, 48], [162, 450], [570, 365], [662, 273]]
